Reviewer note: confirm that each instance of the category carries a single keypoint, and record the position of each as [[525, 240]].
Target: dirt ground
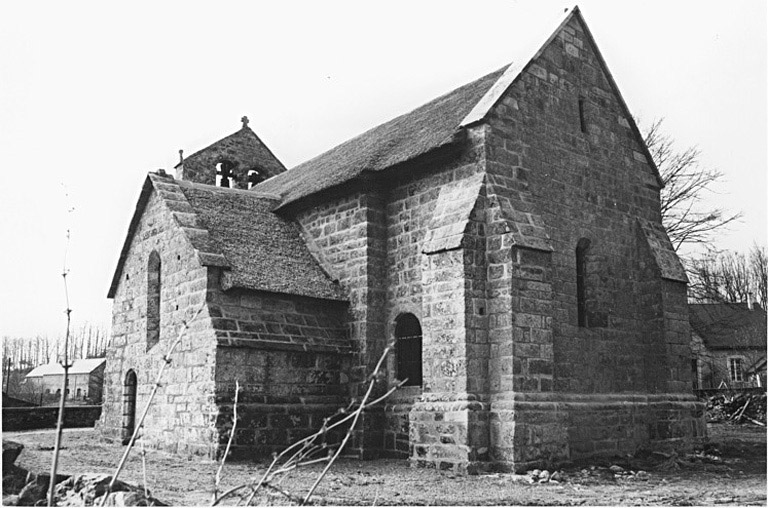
[[731, 471]]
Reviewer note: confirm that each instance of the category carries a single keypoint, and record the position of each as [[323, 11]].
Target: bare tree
[[758, 266], [685, 215], [729, 277]]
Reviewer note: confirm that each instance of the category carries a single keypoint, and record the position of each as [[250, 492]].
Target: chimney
[[180, 166], [750, 304]]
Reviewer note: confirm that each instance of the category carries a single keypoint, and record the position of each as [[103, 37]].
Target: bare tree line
[[87, 341], [730, 277]]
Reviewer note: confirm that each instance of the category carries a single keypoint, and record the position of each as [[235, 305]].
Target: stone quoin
[[507, 236]]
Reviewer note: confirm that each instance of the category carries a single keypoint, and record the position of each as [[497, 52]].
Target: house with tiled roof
[[85, 379], [505, 238], [728, 342]]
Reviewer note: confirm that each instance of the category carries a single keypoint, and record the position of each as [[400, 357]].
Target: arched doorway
[[129, 406], [408, 349]]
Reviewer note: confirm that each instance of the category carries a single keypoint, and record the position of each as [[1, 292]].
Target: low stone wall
[[28, 418], [709, 392]]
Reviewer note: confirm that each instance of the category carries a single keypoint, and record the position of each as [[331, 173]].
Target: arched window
[[153, 299], [408, 349], [255, 176], [581, 280], [225, 177], [129, 406]]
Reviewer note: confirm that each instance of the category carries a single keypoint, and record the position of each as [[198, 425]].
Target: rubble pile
[[24, 488], [737, 407]]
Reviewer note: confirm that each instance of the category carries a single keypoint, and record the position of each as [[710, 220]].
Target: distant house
[[728, 342], [84, 383]]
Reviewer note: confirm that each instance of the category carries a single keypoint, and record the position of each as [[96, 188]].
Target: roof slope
[[83, 366], [729, 325], [265, 252], [426, 128], [235, 230], [401, 139]]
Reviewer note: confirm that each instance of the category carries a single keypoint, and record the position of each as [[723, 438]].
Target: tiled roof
[[84, 366], [431, 126], [416, 133], [236, 230], [264, 251], [729, 325]]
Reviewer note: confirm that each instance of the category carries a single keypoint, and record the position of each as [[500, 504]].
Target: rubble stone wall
[[241, 149], [432, 288], [348, 237], [579, 183], [291, 357], [28, 418], [183, 414]]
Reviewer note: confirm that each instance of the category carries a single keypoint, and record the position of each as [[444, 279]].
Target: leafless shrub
[[312, 449]]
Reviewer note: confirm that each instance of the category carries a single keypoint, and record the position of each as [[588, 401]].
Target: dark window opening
[[255, 176], [581, 280], [225, 176], [408, 349], [129, 406], [582, 121], [153, 299], [695, 373]]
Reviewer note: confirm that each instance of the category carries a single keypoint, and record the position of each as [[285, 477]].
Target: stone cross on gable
[[245, 121]]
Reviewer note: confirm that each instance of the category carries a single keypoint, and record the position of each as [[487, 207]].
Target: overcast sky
[[95, 94]]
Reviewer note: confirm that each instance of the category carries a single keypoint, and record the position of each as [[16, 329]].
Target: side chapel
[[506, 236]]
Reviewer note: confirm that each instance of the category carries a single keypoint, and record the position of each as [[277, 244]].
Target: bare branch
[[684, 213], [166, 362], [217, 480]]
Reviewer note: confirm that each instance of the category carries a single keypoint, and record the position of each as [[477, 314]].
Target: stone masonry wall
[[243, 150], [576, 184], [411, 203], [348, 236], [290, 355], [183, 415]]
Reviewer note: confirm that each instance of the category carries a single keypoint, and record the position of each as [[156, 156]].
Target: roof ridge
[[381, 125], [516, 67], [216, 188]]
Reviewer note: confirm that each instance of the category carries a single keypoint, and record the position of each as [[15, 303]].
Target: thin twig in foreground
[[351, 427], [166, 362], [144, 468], [217, 479], [64, 384]]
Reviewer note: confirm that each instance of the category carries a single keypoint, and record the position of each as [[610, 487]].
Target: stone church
[[506, 237]]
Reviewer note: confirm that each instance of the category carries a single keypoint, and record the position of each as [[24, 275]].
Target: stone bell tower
[[239, 161]]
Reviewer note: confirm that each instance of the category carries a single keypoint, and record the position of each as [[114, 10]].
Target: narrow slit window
[[581, 280], [153, 299], [582, 120]]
